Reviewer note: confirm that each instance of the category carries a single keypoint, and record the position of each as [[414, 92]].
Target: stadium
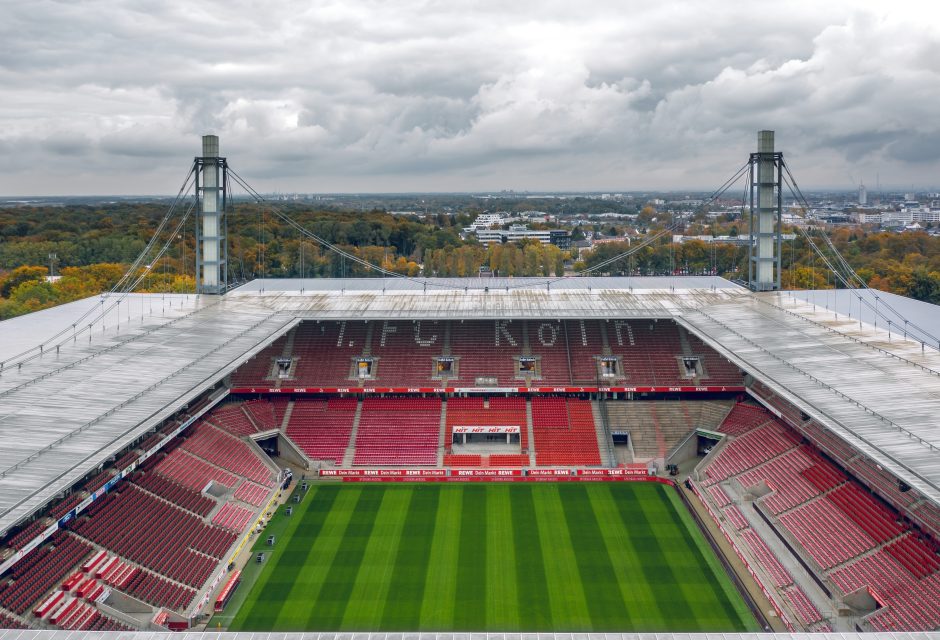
[[391, 455]]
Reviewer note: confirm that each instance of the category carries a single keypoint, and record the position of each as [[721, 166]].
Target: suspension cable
[[850, 278]]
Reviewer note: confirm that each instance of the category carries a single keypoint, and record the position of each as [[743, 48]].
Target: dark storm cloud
[[360, 95]]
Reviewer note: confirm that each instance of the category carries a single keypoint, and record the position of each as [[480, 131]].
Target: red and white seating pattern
[[251, 493], [37, 572], [783, 476], [749, 450], [826, 533], [911, 604], [735, 517], [232, 517], [547, 340], [744, 418], [232, 419], [324, 353], [502, 411], [227, 452], [767, 559], [262, 414], [564, 432], [192, 472], [398, 431], [176, 493], [322, 429], [806, 611], [174, 542]]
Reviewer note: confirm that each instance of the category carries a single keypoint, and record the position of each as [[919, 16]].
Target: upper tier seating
[[324, 352], [262, 414], [321, 429], [398, 431], [547, 340], [257, 371], [406, 352], [486, 349], [584, 344]]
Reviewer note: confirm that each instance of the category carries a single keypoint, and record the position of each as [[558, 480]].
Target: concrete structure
[[557, 237], [212, 245], [766, 207]]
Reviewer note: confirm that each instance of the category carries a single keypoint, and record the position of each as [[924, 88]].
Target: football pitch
[[488, 557]]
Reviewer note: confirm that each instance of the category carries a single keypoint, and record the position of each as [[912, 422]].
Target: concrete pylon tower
[[211, 243], [766, 175]]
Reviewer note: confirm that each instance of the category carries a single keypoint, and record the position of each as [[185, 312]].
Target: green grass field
[[488, 557]]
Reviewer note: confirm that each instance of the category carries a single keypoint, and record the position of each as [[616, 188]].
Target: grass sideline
[[487, 557]]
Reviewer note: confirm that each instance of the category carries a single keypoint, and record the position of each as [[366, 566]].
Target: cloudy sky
[[111, 96]]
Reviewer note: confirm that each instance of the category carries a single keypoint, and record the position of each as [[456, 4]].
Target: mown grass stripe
[[402, 611], [715, 610], [656, 568], [565, 591], [648, 613], [327, 609], [437, 610], [470, 603], [535, 611], [714, 563], [607, 608], [285, 563], [502, 610], [376, 570]]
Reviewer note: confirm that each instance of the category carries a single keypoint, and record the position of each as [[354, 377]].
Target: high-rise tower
[[766, 176], [211, 242]]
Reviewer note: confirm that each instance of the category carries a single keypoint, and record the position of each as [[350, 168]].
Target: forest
[[90, 248]]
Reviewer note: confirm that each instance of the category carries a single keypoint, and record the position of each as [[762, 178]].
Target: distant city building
[[862, 194], [558, 237]]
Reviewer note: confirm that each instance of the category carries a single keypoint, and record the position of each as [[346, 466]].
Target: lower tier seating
[[564, 432], [398, 431], [321, 429]]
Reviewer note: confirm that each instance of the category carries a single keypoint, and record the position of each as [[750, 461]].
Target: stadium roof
[[64, 414]]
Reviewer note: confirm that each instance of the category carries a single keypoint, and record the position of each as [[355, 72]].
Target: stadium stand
[[40, 570], [322, 428], [258, 370], [564, 432], [231, 454], [650, 351], [851, 536], [168, 545], [584, 345], [234, 420], [548, 342], [406, 351], [192, 472], [485, 349], [398, 431], [498, 411], [175, 493]]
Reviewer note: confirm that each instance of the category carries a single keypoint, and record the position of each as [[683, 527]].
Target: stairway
[[605, 443], [604, 339], [286, 420], [350, 454], [530, 431], [440, 437]]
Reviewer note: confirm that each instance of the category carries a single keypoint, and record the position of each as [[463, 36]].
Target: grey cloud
[[419, 94]]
